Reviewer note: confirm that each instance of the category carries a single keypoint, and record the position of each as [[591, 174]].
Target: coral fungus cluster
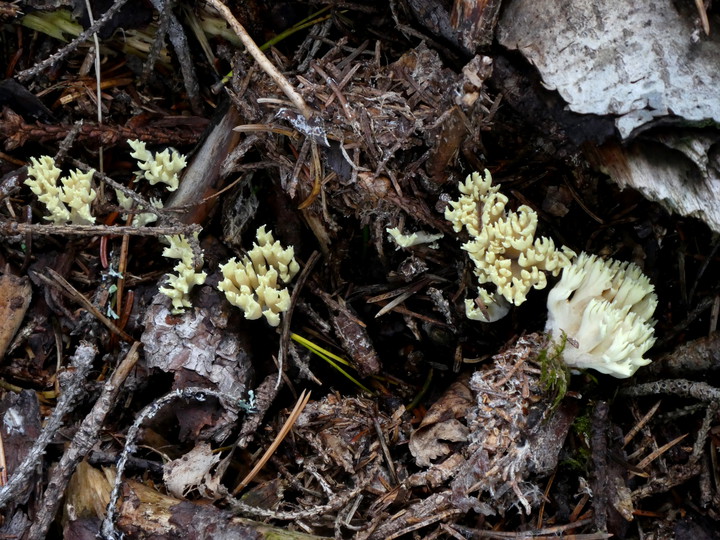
[[69, 202], [502, 247], [179, 285], [604, 307], [254, 284]]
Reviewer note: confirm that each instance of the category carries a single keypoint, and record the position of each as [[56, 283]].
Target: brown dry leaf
[[88, 493], [15, 295], [442, 426], [193, 471]]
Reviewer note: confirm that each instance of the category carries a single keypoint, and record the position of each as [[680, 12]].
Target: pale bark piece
[[666, 174], [199, 341], [640, 60]]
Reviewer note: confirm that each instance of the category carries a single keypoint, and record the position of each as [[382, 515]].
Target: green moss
[[555, 374]]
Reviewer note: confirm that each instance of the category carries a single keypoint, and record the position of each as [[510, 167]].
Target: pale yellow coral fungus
[[502, 247], [413, 239], [179, 285], [604, 307], [69, 202], [254, 283], [140, 220], [162, 167]]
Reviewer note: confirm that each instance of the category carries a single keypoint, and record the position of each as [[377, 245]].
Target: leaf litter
[[451, 429]]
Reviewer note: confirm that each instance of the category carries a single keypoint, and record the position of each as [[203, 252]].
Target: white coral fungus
[[162, 167], [502, 247], [68, 203], [604, 307], [179, 285], [254, 283]]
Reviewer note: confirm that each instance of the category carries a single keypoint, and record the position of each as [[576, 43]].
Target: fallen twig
[[72, 293], [53, 59], [12, 228], [261, 59], [75, 375], [83, 441]]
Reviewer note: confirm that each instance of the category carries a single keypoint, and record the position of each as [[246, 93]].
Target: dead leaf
[[441, 425], [193, 472], [15, 295]]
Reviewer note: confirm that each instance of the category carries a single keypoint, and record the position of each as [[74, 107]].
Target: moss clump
[[554, 372]]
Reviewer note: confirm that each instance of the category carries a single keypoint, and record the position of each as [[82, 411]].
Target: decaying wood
[[594, 55], [148, 513], [203, 175], [145, 512], [474, 22], [674, 179]]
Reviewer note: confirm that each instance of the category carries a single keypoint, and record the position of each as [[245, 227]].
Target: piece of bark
[[200, 340], [474, 22], [663, 172], [638, 63]]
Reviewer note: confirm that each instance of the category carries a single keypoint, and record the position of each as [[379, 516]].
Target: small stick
[[261, 59], [71, 292], [11, 228], [287, 317], [70, 47]]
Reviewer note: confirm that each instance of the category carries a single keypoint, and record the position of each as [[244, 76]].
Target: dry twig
[[76, 375], [83, 441], [261, 59]]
